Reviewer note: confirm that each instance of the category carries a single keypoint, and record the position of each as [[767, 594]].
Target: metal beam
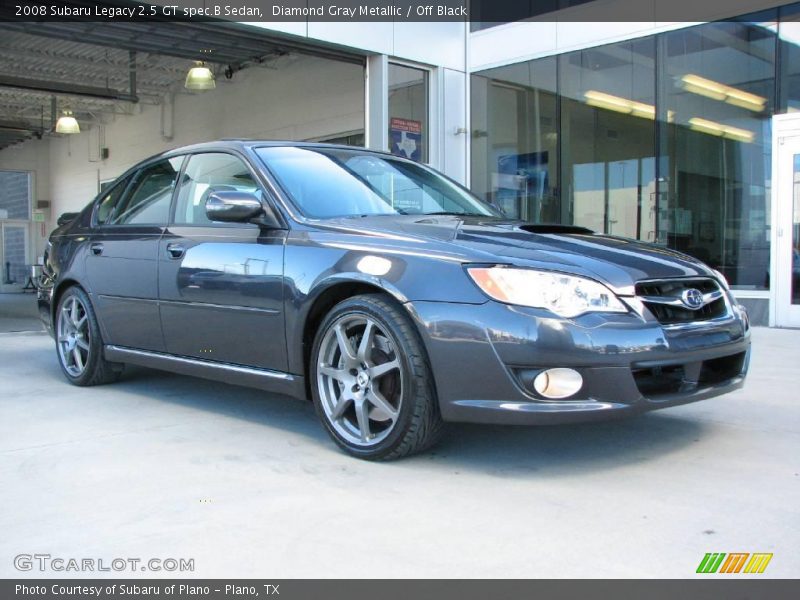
[[55, 87], [17, 126]]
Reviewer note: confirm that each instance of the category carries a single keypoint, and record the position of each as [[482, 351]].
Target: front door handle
[[97, 248], [175, 250]]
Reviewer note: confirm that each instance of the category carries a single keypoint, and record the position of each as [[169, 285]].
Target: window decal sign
[[405, 138]]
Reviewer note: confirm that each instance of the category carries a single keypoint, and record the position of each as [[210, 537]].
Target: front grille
[[660, 380], [663, 300]]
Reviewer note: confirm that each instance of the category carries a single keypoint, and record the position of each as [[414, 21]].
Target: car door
[[221, 284], [122, 263]]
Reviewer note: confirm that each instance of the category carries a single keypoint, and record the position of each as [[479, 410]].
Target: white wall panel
[[511, 43], [438, 44], [373, 37], [454, 141]]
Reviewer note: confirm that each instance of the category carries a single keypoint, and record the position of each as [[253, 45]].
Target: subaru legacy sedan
[[387, 293]]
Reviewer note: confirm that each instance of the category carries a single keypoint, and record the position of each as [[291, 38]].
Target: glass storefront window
[[719, 82], [664, 139], [408, 112], [608, 138], [515, 140]]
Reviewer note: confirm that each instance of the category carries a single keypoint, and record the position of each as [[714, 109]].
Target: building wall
[[301, 98]]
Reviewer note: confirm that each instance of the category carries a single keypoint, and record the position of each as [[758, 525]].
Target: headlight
[[565, 295]]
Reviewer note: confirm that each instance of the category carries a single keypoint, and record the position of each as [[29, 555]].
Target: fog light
[[558, 383]]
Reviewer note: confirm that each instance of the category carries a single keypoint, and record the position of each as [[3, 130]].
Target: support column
[[376, 121]]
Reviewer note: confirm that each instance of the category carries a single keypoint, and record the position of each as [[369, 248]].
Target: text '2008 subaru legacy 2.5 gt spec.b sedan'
[[386, 292]]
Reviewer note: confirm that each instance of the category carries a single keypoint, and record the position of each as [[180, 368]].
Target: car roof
[[242, 143]]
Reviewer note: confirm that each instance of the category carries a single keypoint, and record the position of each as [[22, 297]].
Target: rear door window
[[149, 196], [107, 202]]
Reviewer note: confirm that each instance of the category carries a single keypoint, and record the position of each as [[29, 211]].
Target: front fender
[[315, 265]]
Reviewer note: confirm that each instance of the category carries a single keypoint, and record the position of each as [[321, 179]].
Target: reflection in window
[[683, 160], [353, 183], [204, 175], [514, 140], [719, 84], [149, 195], [408, 112]]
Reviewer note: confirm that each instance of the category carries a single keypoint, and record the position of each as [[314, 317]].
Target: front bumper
[[484, 358]]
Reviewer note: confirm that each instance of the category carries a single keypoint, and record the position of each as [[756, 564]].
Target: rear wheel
[[371, 382], [79, 343]]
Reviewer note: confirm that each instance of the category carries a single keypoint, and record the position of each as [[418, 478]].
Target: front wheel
[[371, 382], [78, 341]]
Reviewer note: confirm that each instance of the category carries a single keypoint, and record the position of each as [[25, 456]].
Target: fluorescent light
[[622, 105], [67, 124], [720, 130], [724, 93], [200, 77]]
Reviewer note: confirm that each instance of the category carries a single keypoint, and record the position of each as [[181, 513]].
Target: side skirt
[[264, 379]]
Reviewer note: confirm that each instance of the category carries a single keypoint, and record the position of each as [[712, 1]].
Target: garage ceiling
[[86, 67]]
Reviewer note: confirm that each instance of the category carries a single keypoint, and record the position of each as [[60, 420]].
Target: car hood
[[618, 262]]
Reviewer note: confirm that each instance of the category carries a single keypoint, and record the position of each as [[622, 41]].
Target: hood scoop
[[545, 228]]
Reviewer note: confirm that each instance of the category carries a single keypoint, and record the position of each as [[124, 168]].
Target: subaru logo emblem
[[692, 298]]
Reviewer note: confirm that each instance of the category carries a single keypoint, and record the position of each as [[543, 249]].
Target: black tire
[[418, 422], [96, 370]]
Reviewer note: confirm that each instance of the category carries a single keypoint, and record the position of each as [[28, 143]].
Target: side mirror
[[66, 217], [239, 207]]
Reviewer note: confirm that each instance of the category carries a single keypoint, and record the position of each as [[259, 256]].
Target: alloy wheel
[[73, 336], [360, 380]]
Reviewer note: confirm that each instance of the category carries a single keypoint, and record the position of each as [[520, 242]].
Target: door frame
[[784, 127]]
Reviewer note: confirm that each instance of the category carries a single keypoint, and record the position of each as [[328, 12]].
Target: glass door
[[13, 256], [787, 263]]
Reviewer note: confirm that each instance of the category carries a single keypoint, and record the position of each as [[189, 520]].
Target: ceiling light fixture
[[67, 123], [623, 105], [724, 93], [720, 130], [200, 78]]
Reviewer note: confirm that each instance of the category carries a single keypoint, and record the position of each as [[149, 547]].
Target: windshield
[[332, 182]]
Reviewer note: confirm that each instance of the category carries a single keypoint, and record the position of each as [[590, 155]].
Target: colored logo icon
[[734, 562]]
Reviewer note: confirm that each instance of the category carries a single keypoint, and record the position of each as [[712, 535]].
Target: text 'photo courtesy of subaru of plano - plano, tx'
[[386, 292]]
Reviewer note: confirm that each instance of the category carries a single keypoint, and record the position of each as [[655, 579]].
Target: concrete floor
[[18, 312], [249, 485]]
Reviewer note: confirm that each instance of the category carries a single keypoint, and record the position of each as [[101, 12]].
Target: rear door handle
[[175, 250], [97, 248]]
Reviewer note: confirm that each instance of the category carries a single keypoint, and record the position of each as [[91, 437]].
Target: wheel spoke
[[377, 399], [81, 322], [340, 408], [365, 346], [344, 343], [362, 414], [384, 368], [73, 310], [81, 343], [337, 374], [77, 358], [66, 318]]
